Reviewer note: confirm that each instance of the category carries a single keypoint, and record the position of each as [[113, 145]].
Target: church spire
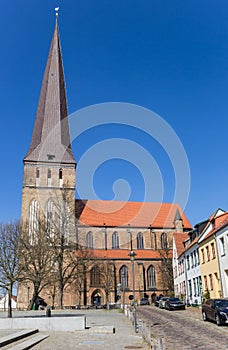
[[51, 136]]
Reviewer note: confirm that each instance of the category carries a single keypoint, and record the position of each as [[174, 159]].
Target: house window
[[95, 276], [194, 287], [213, 250], [222, 246], [205, 283], [203, 256], [89, 240], [190, 288], [188, 263], [115, 240], [164, 241], [140, 243], [192, 260], [124, 276], [211, 281], [208, 253], [151, 277]]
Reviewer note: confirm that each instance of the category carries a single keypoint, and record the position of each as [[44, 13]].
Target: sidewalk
[[95, 337]]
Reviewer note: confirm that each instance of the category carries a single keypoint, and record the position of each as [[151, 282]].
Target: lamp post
[[132, 255]]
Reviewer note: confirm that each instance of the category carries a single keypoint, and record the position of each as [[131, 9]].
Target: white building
[[178, 264], [4, 303], [221, 237]]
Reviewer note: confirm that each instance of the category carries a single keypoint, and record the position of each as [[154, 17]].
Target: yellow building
[[209, 264]]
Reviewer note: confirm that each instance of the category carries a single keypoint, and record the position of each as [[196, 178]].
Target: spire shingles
[[51, 136]]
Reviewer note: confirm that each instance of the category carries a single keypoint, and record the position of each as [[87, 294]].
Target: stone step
[[8, 339], [28, 344]]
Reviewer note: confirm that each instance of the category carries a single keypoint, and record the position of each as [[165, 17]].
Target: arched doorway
[[96, 298]]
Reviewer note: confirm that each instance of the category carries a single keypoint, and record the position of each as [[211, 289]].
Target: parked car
[[144, 301], [215, 310], [174, 304], [162, 302], [156, 303]]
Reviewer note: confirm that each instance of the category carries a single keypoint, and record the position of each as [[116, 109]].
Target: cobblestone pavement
[[183, 330], [123, 338]]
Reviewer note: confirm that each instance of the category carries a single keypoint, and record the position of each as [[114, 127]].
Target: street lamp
[[132, 255]]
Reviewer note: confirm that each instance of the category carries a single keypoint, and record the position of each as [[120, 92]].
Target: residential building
[[209, 262], [221, 238]]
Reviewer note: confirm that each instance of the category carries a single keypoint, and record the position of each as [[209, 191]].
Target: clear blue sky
[[168, 56]]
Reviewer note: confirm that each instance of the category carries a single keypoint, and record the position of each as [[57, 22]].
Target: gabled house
[[179, 271], [209, 262], [221, 238]]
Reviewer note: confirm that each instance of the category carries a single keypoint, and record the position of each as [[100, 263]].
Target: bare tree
[[9, 268], [37, 259], [166, 269], [61, 234], [107, 270]]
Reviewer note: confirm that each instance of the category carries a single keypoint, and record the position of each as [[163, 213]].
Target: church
[[132, 237]]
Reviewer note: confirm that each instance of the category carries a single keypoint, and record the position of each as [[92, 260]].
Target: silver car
[[162, 302]]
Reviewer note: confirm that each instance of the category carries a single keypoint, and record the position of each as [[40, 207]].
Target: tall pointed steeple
[[51, 136]]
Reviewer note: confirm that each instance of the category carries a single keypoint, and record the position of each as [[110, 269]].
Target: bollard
[[48, 311]]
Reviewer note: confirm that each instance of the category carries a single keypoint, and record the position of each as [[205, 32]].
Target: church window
[[49, 177], [89, 240], [33, 221], [164, 241], [37, 173], [140, 243], [151, 277], [124, 276], [37, 176], [115, 240], [64, 220], [60, 177], [95, 276], [50, 218]]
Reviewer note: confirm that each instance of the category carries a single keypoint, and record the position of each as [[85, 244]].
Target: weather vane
[[56, 11]]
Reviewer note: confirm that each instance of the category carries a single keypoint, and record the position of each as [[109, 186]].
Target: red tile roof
[[218, 222], [179, 241], [138, 214], [123, 254]]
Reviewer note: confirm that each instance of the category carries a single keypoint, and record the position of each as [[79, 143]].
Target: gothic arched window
[[140, 243], [164, 241], [124, 276], [115, 240], [95, 276], [151, 277], [33, 220], [89, 240], [50, 217]]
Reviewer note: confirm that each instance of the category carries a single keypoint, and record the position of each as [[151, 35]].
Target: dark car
[[215, 310], [174, 304], [156, 302], [144, 301]]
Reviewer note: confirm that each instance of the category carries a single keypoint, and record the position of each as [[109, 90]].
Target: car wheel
[[204, 316], [218, 321]]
